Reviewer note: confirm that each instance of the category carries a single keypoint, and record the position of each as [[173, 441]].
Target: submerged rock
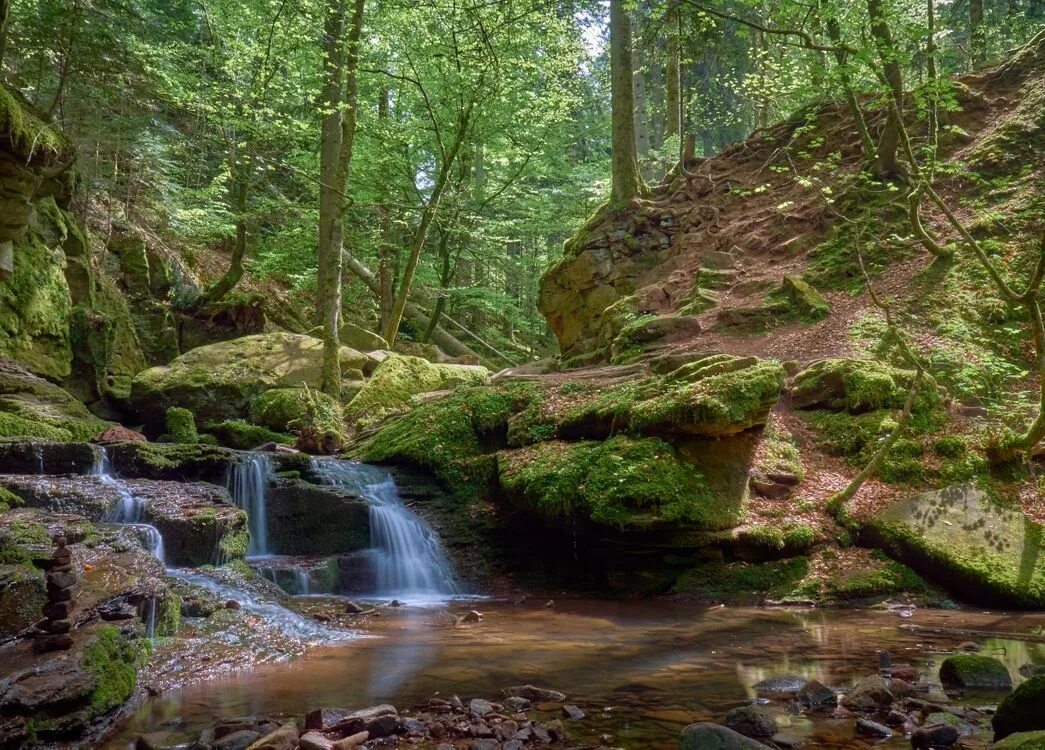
[[751, 721], [715, 737]]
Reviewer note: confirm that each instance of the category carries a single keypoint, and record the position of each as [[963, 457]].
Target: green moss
[[114, 661], [399, 378], [1020, 711], [234, 546], [27, 132], [778, 452], [975, 671], [739, 581], [8, 499], [181, 426], [889, 579], [13, 425], [623, 482], [1022, 741], [241, 435], [168, 615], [797, 298], [859, 385]]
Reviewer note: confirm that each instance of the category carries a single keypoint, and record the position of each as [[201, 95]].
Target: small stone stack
[[54, 630]]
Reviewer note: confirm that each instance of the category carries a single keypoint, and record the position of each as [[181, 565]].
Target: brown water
[[641, 670]]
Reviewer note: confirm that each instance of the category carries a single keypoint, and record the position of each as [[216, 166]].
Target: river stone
[[531, 693], [220, 381], [315, 741], [1021, 710], [784, 686], [751, 721], [352, 741], [705, 736], [312, 519], [398, 378], [572, 712], [516, 703], [974, 672], [382, 726], [934, 736], [869, 694], [815, 694], [872, 728], [479, 708], [1022, 741], [284, 738], [983, 552], [238, 740]]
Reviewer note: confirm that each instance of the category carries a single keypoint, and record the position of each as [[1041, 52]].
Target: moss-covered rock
[[1022, 741], [805, 301], [623, 482], [958, 537], [281, 408], [33, 407], [244, 436], [114, 661], [398, 378], [859, 385], [181, 426], [220, 381], [975, 672], [360, 338], [22, 594], [1021, 710]]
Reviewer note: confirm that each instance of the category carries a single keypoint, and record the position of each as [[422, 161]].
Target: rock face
[[198, 522], [313, 520], [982, 552], [1021, 711], [220, 381]]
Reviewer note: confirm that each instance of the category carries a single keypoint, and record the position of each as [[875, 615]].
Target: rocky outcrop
[[397, 378], [33, 407], [198, 522], [221, 381], [307, 519], [981, 551]]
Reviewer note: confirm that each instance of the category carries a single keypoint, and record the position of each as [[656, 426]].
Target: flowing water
[[248, 485], [641, 670], [128, 509], [409, 561]]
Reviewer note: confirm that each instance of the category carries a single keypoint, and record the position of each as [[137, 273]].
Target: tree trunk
[[673, 86], [626, 183], [427, 216], [337, 136], [886, 164], [834, 33], [932, 77], [445, 277], [239, 193], [977, 40], [5, 17], [638, 92]]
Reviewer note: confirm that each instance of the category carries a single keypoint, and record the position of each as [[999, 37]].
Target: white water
[[248, 485], [409, 561], [282, 618], [128, 509]]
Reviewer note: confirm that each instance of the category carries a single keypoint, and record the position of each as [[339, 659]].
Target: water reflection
[[640, 670]]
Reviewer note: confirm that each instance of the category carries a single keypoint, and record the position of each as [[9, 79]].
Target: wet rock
[[119, 434], [975, 672], [751, 721], [572, 712], [1032, 670], [315, 741], [780, 687], [382, 726], [896, 719], [869, 694], [157, 741], [284, 738], [352, 741], [815, 694], [934, 736], [905, 672], [238, 740], [325, 718], [872, 728], [516, 703], [531, 693], [969, 647], [471, 617], [1021, 711], [316, 520], [351, 608], [506, 730], [232, 604], [411, 726], [395, 603], [556, 729], [484, 744], [479, 708], [704, 736]]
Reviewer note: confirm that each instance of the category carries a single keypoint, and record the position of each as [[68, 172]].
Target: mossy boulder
[[281, 409], [242, 435], [33, 407], [398, 378], [623, 482], [181, 426], [360, 338], [859, 385], [220, 381], [958, 537], [1021, 711], [1022, 741], [804, 300], [975, 672]]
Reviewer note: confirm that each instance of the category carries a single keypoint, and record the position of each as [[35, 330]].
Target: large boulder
[[33, 407], [975, 672], [1021, 710], [360, 338], [958, 537], [858, 385], [220, 381], [398, 378]]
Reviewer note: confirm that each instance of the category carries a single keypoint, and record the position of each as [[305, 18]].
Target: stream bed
[[640, 670]]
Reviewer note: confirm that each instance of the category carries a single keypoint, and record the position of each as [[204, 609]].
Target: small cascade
[[128, 510], [248, 485], [298, 576], [282, 618], [408, 559]]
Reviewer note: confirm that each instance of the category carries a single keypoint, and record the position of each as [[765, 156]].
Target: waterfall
[[128, 509], [248, 485], [409, 561]]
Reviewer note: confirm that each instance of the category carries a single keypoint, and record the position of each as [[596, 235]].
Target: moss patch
[[242, 435], [181, 426], [114, 661], [743, 582], [859, 385], [398, 378]]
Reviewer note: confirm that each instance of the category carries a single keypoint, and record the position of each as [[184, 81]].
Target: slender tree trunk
[[445, 277], [386, 246], [834, 33], [886, 164], [427, 216], [977, 41], [658, 106], [238, 198], [5, 17], [638, 92], [932, 77], [626, 182], [673, 85]]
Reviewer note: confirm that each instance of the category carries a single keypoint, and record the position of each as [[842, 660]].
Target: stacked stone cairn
[[53, 630]]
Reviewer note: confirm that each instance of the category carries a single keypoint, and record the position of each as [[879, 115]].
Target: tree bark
[[977, 41], [239, 194], [638, 91], [886, 164], [673, 85], [5, 17], [834, 33], [336, 140], [626, 182]]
